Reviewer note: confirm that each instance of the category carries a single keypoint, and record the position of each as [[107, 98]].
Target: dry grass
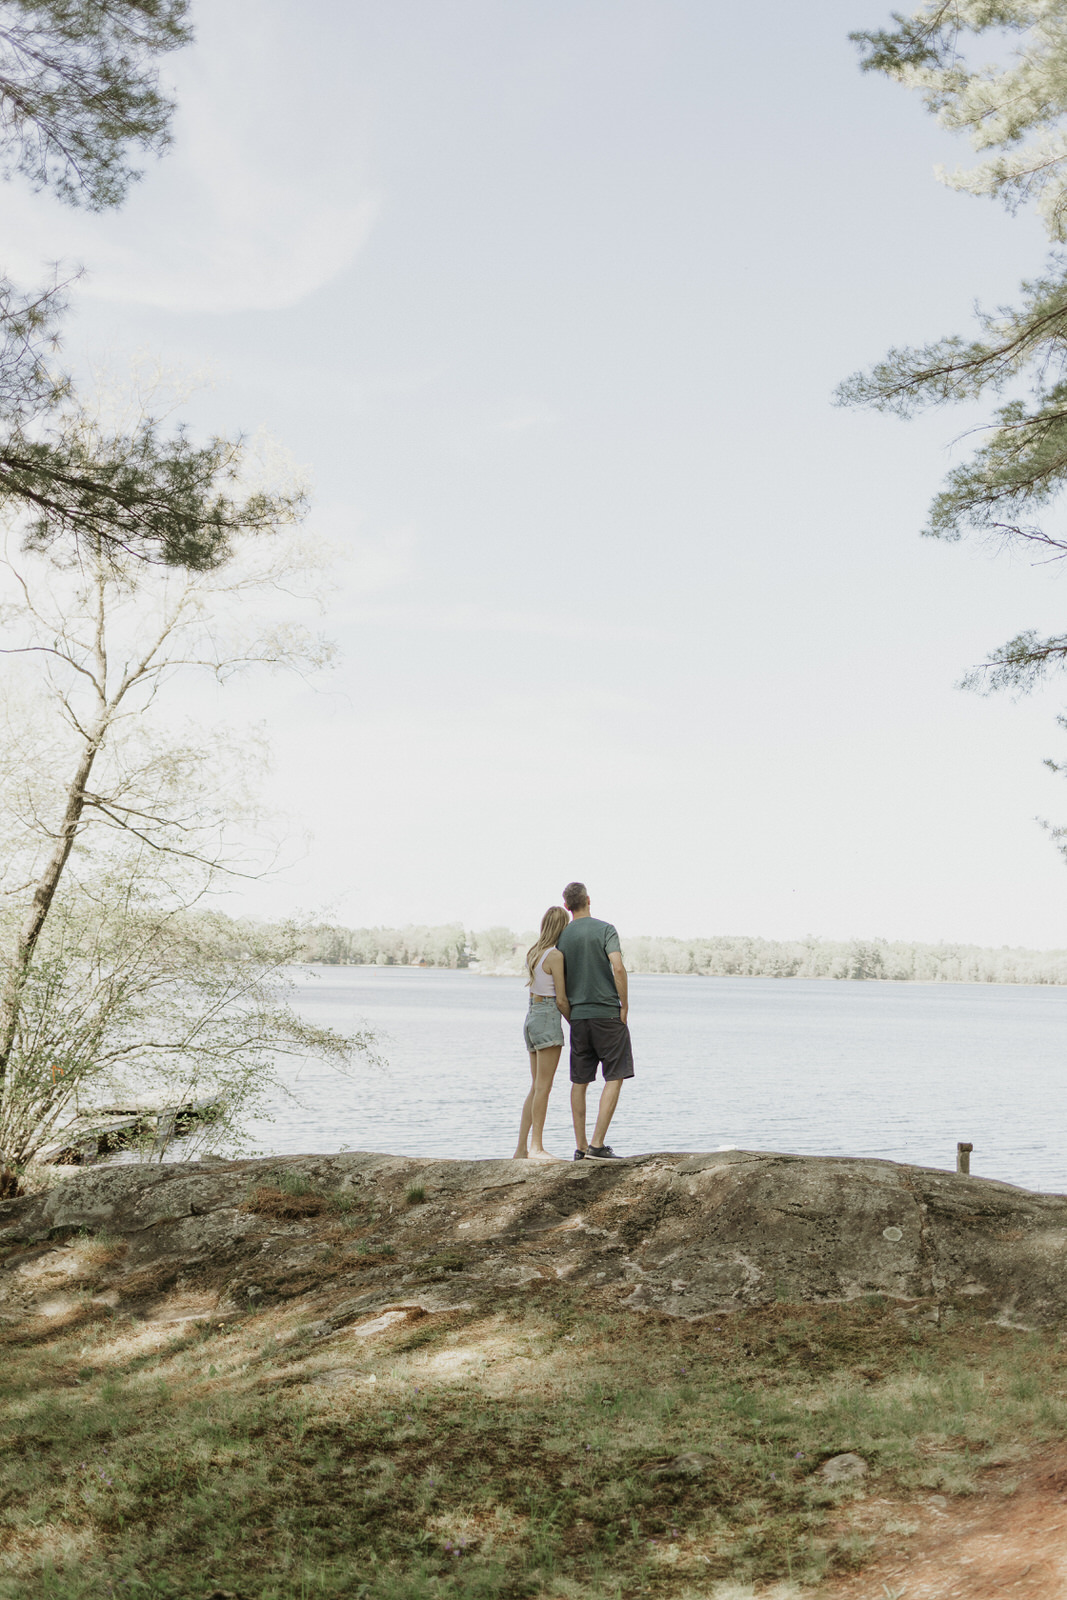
[[92, 1251], [267, 1201]]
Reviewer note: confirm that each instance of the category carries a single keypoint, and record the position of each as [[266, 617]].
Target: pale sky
[[550, 296]]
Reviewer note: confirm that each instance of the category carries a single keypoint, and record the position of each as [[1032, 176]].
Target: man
[[596, 990]]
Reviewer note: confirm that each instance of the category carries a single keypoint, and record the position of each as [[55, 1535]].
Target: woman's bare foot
[[520, 1155], [543, 1155]]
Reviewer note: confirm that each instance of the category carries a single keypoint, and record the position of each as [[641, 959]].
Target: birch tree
[[136, 995], [119, 819]]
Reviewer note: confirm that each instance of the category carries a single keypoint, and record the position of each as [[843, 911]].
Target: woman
[[543, 1031]]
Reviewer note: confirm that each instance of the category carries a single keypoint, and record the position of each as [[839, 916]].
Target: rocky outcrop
[[681, 1235]]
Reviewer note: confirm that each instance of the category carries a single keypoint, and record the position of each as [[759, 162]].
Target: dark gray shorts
[[600, 1041]]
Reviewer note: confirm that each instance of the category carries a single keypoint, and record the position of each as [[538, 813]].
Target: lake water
[[866, 1069]]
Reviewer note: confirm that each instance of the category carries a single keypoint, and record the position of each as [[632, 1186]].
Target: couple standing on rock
[[575, 969]]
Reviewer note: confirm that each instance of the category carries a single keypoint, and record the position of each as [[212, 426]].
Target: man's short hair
[[575, 896]]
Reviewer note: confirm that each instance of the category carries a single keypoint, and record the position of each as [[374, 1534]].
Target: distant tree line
[[853, 958], [499, 950], [445, 946]]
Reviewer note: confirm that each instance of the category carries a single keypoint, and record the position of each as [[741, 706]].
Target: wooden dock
[[103, 1131]]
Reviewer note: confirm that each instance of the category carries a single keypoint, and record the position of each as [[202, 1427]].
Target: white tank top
[[544, 983]]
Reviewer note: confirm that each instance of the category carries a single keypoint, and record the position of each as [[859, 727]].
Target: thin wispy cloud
[[472, 617], [365, 565]]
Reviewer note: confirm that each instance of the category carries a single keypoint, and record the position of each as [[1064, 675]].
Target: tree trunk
[[43, 895]]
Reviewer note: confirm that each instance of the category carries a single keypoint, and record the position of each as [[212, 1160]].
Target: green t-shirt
[[586, 944]]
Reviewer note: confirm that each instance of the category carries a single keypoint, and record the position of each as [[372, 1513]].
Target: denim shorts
[[543, 1026]]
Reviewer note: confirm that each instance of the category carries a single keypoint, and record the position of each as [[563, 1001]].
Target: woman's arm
[[554, 966]]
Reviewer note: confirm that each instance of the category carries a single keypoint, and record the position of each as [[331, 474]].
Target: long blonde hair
[[553, 923]]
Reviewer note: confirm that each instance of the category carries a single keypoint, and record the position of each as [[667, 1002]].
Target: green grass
[[515, 1449], [416, 1195], [446, 1261]]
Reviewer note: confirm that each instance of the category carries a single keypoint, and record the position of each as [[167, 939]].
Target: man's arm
[[618, 972]]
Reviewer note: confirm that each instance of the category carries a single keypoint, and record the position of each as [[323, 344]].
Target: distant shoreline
[[475, 971], [501, 951]]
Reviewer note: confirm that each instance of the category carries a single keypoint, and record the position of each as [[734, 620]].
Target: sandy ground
[[982, 1548]]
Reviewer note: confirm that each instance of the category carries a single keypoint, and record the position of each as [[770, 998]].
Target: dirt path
[[983, 1548]]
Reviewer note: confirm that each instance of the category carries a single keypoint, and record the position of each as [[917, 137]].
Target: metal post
[[963, 1157]]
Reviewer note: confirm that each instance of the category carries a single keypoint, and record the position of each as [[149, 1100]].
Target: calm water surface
[[869, 1069]]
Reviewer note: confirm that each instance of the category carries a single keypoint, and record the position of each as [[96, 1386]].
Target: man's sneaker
[[602, 1152], [580, 1155]]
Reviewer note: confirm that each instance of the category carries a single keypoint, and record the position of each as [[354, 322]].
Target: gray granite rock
[[687, 1465], [845, 1468], [678, 1235]]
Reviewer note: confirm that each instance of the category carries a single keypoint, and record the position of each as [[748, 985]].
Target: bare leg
[[524, 1124], [609, 1099], [578, 1115], [544, 1072]]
